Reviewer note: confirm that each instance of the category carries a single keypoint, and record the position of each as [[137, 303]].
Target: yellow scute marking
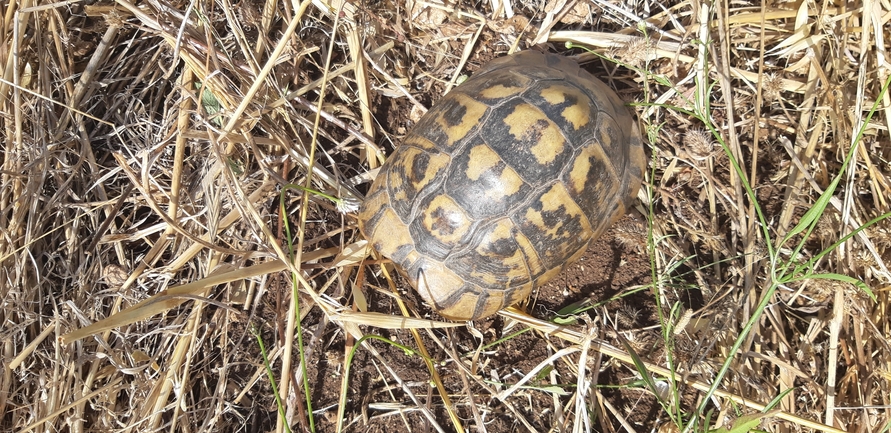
[[435, 281], [457, 129], [578, 177], [536, 218], [527, 121], [608, 127], [396, 181], [548, 276], [501, 231], [514, 263], [390, 233], [510, 181], [482, 158], [395, 178], [410, 258], [494, 303], [556, 197], [550, 145], [435, 164], [400, 195], [579, 174], [579, 114], [551, 232], [462, 309], [419, 142], [520, 293], [373, 204], [466, 304], [555, 94], [533, 260], [445, 220], [489, 280], [637, 159], [500, 91]]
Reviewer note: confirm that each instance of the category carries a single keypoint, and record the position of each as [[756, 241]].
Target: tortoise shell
[[504, 182]]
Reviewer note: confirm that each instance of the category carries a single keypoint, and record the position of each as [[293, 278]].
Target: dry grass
[[143, 245]]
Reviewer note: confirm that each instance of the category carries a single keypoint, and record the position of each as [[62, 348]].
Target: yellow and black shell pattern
[[504, 182]]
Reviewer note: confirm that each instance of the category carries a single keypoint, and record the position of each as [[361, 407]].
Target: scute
[[442, 224], [528, 141], [499, 261], [556, 226], [484, 184], [504, 182], [455, 118], [412, 173]]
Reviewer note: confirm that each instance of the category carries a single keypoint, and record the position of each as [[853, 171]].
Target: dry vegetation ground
[[145, 145]]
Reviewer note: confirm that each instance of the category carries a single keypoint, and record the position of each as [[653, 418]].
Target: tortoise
[[503, 183]]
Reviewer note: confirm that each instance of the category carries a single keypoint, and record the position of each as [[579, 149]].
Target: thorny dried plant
[[699, 144]]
